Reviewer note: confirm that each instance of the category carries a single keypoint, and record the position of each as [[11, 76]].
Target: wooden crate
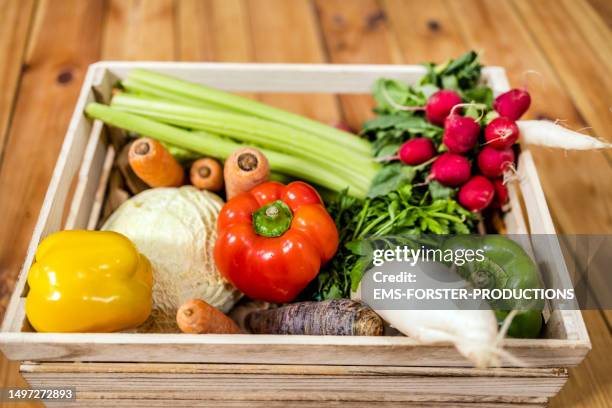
[[134, 369]]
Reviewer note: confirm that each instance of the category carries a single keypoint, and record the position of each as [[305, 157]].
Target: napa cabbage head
[[176, 229]]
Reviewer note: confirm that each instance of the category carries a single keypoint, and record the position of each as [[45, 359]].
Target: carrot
[[196, 316], [207, 174], [154, 164], [337, 317], [244, 169]]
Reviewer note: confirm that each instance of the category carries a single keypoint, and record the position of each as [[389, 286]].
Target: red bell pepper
[[273, 240]]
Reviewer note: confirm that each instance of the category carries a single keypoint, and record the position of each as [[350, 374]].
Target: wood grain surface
[[15, 21], [46, 45]]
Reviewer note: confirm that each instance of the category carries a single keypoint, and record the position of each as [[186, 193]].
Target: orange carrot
[[196, 316], [154, 164], [244, 169], [207, 174]]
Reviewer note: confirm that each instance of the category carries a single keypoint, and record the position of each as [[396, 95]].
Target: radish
[[476, 194], [549, 134], [450, 170], [512, 104], [460, 132], [440, 104], [501, 193], [437, 108], [417, 151], [492, 162], [501, 133]]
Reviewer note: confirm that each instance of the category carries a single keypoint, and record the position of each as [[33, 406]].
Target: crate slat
[[254, 369], [96, 400], [88, 179], [225, 383], [271, 349]]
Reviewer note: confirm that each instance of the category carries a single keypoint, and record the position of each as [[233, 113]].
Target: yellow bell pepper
[[88, 281]]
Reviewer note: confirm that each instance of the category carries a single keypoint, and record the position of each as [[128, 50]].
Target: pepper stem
[[272, 220]]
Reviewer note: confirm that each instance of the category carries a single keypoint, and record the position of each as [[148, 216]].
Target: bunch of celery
[[215, 123]]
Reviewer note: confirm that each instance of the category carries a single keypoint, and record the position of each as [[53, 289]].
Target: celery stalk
[[238, 120], [248, 106], [137, 87], [253, 130], [211, 145], [302, 169], [179, 153], [215, 146], [357, 177]]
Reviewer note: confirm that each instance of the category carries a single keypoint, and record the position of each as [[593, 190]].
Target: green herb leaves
[[438, 191], [458, 74], [391, 177], [403, 212]]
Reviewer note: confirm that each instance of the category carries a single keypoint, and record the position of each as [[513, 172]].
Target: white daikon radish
[[469, 325], [473, 332], [549, 134]]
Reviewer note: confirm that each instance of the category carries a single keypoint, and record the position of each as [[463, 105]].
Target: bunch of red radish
[[461, 136]]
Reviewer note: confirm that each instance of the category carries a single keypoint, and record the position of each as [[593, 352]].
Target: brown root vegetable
[[243, 170], [337, 317], [207, 174], [196, 316], [154, 165]]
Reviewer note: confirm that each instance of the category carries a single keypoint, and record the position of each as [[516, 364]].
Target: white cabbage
[[176, 229]]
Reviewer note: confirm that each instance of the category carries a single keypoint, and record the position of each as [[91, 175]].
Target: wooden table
[[46, 45]]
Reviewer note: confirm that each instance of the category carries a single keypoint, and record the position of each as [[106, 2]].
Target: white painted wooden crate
[[87, 156]]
